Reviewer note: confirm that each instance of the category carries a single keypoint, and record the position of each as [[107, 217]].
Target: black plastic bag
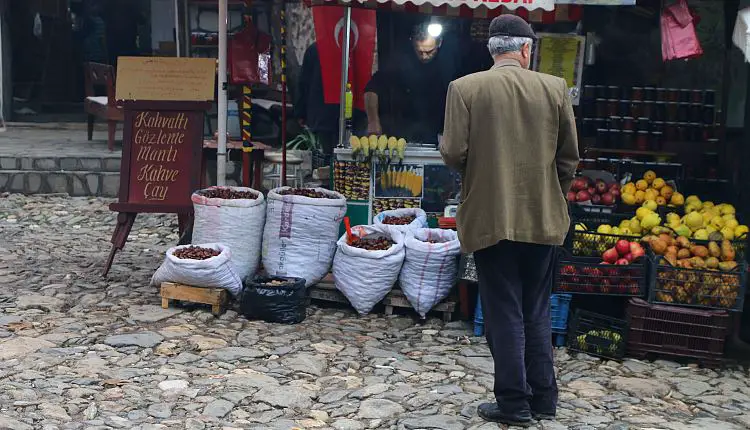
[[275, 299]]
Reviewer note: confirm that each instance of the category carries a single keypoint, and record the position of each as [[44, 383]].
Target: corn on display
[[387, 149], [399, 181]]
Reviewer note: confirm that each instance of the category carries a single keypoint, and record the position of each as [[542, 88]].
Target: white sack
[[741, 34], [366, 277], [236, 223], [299, 238], [420, 220], [429, 270], [214, 272]]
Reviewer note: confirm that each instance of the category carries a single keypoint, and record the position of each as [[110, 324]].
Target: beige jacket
[[512, 135]]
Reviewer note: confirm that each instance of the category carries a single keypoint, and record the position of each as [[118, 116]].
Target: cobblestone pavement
[[81, 352]]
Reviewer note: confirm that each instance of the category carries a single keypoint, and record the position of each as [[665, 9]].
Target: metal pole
[[282, 26], [221, 151], [177, 26], [344, 74]]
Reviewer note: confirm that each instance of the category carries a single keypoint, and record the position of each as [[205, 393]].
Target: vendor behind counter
[[407, 97]]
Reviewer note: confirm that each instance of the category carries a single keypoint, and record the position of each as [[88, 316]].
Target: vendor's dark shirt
[[411, 97], [309, 104]]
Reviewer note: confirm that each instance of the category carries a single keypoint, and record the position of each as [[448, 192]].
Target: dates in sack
[[306, 192], [195, 253], [372, 244], [227, 194], [399, 220]]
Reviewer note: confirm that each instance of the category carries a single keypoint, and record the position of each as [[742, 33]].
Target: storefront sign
[[165, 78], [598, 2], [561, 55]]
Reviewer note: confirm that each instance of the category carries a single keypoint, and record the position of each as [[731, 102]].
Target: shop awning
[[466, 9]]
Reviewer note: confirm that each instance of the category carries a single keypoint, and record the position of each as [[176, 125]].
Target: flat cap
[[511, 26]]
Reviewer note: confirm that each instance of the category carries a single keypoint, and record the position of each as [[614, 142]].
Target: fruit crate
[[676, 332], [586, 275], [598, 335], [630, 169], [739, 245], [589, 243], [708, 289]]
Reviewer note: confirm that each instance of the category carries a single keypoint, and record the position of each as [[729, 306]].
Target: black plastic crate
[[676, 331], [589, 243], [633, 170], [587, 275], [598, 335], [708, 289]]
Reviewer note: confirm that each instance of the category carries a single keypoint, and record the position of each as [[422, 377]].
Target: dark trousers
[[515, 282]]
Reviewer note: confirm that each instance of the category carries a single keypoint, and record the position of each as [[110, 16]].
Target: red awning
[[560, 13]]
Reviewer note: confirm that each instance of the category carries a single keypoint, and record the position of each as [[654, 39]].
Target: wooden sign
[[162, 161], [164, 101], [165, 79]]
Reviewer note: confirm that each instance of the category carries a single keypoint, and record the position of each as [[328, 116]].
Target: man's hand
[[374, 127]]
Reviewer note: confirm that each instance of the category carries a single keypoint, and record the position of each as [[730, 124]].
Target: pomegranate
[[583, 196], [579, 184], [571, 196], [596, 199]]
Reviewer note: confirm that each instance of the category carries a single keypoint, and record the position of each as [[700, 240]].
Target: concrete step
[[60, 164], [74, 183]]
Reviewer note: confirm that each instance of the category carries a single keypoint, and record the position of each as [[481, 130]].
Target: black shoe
[[492, 412], [541, 416]]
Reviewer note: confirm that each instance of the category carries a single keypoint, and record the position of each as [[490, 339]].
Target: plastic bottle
[[349, 102]]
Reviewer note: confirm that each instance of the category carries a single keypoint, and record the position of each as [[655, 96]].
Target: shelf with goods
[[652, 124]]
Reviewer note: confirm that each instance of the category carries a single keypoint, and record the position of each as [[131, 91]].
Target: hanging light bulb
[[435, 29]]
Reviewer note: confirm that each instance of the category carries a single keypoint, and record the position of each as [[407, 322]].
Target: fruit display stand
[[587, 275], [420, 180], [676, 331], [598, 335]]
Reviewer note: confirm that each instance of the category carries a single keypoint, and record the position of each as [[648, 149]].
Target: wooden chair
[[105, 107]]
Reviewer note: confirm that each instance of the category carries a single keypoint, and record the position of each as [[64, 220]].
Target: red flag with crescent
[[329, 34]]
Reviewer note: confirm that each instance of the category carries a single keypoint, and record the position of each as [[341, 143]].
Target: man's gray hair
[[499, 45]]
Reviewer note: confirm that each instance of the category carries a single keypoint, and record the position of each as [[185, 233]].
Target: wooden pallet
[[216, 297], [326, 291]]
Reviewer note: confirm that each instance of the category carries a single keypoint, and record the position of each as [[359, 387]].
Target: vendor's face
[[427, 49]]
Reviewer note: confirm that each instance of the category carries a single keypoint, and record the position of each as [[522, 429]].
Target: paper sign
[[561, 55], [165, 78]]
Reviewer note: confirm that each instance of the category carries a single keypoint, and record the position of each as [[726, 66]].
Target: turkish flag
[[329, 34]]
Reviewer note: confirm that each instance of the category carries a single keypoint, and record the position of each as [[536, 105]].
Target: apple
[[583, 196], [629, 257], [571, 196], [601, 186], [608, 199], [636, 250], [634, 289], [591, 190], [579, 184], [596, 199], [610, 256], [614, 186], [622, 262], [622, 247]]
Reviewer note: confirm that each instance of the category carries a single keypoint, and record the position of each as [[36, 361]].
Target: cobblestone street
[[81, 352]]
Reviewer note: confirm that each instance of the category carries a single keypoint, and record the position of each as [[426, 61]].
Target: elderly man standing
[[511, 133]]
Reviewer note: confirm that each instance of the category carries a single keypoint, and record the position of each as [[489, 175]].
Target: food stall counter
[[420, 180]]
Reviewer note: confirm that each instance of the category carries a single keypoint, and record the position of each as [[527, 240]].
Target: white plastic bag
[[299, 238], [429, 270], [366, 277], [236, 223], [420, 219], [214, 272]]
